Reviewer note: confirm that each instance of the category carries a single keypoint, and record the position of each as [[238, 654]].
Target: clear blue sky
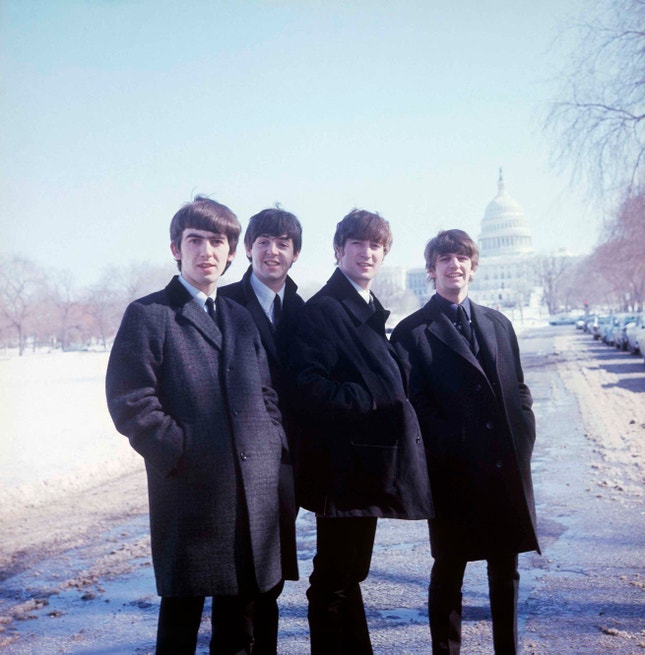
[[116, 112]]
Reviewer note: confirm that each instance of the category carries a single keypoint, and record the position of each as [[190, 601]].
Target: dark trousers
[[444, 603], [337, 622], [241, 625]]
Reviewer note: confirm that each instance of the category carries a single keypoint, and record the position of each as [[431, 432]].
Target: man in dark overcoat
[[360, 455], [474, 408], [188, 383], [272, 241]]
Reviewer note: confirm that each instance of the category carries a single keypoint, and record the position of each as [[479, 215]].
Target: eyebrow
[[194, 235]]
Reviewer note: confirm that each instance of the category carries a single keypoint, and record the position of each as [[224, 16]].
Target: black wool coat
[[360, 452], [196, 403], [276, 342], [478, 428]]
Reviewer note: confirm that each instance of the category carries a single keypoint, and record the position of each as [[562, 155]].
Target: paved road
[[584, 594]]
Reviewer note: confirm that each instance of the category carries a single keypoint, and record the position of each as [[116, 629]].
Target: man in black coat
[[188, 383], [360, 455], [467, 386], [273, 240]]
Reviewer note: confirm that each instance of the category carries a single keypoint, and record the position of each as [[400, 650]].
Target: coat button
[[498, 464], [244, 457], [489, 425], [478, 387]]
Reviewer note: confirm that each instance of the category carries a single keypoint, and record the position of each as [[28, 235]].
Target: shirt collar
[[200, 296], [450, 308], [265, 295], [365, 294]]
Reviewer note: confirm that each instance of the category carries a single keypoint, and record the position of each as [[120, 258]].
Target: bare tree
[[20, 284], [598, 118], [66, 315], [622, 255], [551, 272]]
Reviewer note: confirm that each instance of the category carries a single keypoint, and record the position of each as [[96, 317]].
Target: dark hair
[[448, 241], [274, 222], [205, 214], [363, 225]]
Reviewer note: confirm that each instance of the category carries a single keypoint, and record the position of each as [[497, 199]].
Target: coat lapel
[[442, 328], [486, 335], [261, 320], [190, 310]]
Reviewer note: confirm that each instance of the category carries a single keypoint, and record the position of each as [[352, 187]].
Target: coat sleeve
[[526, 399], [133, 384], [325, 380]]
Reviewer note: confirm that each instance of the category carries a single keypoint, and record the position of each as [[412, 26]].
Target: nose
[[207, 248]]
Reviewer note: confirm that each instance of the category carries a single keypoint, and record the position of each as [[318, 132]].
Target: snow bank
[[56, 434]]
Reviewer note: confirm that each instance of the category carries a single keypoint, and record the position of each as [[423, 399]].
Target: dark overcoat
[[195, 401], [276, 342], [479, 430], [360, 452]]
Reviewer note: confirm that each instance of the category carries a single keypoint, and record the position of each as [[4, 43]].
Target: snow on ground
[[57, 435]]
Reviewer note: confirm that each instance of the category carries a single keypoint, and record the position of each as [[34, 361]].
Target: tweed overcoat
[[276, 343], [360, 451], [479, 430], [195, 401]]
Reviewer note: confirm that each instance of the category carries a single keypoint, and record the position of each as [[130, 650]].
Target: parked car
[[562, 319], [635, 334], [587, 322], [617, 337], [599, 323]]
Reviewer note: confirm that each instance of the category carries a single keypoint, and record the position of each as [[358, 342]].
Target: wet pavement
[[584, 594]]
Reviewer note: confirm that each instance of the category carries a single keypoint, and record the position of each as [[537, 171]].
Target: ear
[[431, 273], [176, 253], [338, 252]]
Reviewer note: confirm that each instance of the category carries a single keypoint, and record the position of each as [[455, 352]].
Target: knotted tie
[[277, 310], [464, 326], [210, 308]]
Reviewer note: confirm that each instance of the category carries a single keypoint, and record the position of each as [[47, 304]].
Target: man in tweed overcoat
[[188, 384]]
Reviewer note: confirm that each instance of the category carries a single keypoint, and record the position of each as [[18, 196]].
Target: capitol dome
[[504, 229]]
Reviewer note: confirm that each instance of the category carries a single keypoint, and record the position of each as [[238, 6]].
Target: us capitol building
[[505, 277]]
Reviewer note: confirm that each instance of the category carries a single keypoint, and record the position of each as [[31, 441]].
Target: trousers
[[445, 603], [241, 625], [336, 614]]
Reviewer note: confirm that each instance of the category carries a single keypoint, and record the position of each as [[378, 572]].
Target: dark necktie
[[464, 326], [277, 310], [210, 308], [371, 303]]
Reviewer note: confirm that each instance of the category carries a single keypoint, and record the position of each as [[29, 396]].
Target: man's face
[[360, 260], [452, 274], [204, 256], [271, 258]]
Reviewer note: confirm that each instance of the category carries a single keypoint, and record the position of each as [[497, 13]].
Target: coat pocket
[[374, 470]]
